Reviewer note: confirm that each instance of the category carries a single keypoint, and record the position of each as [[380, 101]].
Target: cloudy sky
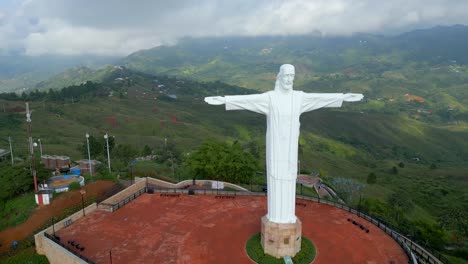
[[119, 27]]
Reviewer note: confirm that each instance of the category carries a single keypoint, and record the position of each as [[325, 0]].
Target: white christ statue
[[282, 107]]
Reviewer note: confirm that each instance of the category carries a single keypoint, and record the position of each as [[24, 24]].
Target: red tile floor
[[204, 229]]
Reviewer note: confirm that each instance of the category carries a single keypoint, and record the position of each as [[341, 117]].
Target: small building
[[84, 165], [44, 197], [53, 162]]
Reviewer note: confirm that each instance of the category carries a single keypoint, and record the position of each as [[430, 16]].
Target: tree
[[394, 170], [371, 178], [167, 152], [456, 219], [347, 188], [17, 179], [146, 151], [433, 166], [431, 234], [125, 153], [401, 165], [95, 147], [220, 161]]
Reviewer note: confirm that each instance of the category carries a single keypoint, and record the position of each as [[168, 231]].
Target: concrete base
[[279, 240]]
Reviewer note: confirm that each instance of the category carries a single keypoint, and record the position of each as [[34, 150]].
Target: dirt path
[[43, 214]]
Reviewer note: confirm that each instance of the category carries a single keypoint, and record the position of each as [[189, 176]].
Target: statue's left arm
[[313, 101]]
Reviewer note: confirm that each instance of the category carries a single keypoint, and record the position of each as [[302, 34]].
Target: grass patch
[[306, 191], [28, 255], [17, 210], [255, 252]]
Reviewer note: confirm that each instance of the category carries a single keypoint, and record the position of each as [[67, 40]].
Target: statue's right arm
[[215, 100], [253, 102]]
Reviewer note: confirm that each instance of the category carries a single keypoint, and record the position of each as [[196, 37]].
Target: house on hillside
[[84, 165]]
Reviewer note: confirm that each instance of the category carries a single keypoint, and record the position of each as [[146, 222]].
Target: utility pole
[[89, 156], [11, 151], [31, 147]]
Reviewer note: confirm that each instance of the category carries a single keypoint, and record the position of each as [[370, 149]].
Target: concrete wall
[[139, 183], [182, 184], [54, 252]]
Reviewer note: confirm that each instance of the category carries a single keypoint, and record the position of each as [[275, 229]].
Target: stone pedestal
[[279, 240]]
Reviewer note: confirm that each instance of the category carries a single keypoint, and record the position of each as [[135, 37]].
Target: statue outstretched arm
[[352, 97], [215, 100], [253, 102], [313, 101]]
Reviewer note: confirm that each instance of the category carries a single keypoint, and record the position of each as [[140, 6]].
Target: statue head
[[285, 78]]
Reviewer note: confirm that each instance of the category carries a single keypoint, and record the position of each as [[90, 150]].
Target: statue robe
[[283, 110]]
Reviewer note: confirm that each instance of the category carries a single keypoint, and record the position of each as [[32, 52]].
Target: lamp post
[[89, 156], [106, 137], [11, 151], [40, 145], [82, 192]]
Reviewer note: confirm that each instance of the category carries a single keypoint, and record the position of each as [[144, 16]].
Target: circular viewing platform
[[161, 228]]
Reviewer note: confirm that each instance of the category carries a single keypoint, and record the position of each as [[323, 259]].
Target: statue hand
[[352, 97], [215, 100]]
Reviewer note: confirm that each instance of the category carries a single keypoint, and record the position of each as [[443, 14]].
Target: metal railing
[[409, 246], [128, 199], [68, 248]]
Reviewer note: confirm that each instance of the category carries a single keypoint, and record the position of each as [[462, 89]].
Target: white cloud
[[65, 39], [118, 27]]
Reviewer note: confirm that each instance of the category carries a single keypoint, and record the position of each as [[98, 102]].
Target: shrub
[[74, 186], [371, 178]]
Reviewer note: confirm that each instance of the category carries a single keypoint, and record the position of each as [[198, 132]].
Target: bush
[[401, 165], [461, 253], [371, 178], [74, 186]]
